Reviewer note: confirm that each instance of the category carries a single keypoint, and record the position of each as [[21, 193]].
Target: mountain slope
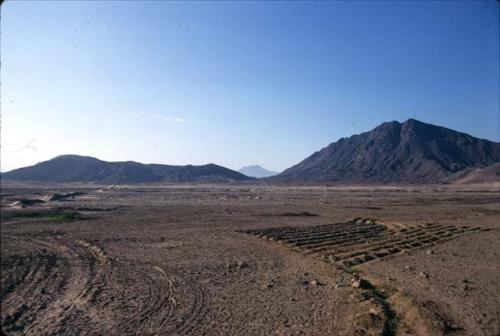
[[410, 152], [489, 174], [256, 171], [75, 168]]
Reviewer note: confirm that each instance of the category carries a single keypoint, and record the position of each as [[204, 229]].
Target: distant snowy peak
[[256, 171]]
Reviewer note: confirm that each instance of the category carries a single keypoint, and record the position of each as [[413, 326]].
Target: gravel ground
[[181, 260]]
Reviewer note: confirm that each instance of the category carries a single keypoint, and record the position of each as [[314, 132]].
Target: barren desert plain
[[249, 259]]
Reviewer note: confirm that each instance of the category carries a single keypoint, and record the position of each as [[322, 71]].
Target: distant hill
[[409, 152], [256, 171], [487, 174], [75, 168]]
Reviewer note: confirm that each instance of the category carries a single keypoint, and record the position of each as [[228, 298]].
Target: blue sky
[[238, 83]]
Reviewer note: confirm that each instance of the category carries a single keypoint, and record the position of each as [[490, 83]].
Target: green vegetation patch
[[65, 216]]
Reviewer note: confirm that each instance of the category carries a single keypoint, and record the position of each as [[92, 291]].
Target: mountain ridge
[[78, 168], [393, 152]]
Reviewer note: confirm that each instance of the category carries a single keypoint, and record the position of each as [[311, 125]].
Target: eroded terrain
[[190, 260]]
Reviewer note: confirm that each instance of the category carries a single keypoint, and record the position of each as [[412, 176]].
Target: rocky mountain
[[256, 171], [75, 168], [408, 152]]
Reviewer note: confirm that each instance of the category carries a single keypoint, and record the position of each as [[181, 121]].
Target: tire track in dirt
[[59, 289], [196, 312], [154, 303], [40, 264], [95, 293], [87, 273]]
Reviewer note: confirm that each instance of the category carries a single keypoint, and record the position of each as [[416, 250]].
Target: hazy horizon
[[238, 84]]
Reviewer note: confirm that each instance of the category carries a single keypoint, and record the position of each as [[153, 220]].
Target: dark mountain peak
[[414, 124], [409, 125], [412, 151], [389, 124], [390, 128]]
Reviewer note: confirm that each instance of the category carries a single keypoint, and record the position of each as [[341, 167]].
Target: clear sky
[[238, 83]]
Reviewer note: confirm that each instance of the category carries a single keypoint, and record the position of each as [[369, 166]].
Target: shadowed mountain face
[[74, 168], [409, 152], [256, 171]]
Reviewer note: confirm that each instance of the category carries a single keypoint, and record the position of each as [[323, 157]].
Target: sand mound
[[62, 197], [25, 202]]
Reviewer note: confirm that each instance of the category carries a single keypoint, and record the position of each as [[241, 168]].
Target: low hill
[[75, 168], [489, 174]]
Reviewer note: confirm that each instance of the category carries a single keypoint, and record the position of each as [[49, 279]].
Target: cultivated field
[[250, 260]]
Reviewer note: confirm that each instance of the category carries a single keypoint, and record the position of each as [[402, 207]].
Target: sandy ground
[[250, 260]]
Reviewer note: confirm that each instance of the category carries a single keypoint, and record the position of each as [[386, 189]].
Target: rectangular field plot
[[360, 240]]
